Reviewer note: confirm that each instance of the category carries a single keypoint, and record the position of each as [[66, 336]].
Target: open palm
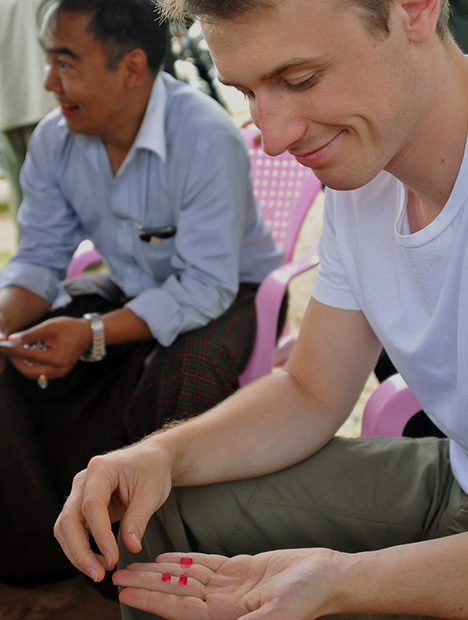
[[279, 585]]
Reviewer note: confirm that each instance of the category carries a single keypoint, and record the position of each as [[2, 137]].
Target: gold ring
[[42, 381]]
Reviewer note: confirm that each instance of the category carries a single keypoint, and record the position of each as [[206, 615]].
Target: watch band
[[97, 351]]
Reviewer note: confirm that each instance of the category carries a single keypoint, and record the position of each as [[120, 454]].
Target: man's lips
[[314, 158], [67, 108]]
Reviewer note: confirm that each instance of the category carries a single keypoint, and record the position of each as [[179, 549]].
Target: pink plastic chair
[[85, 256], [285, 190], [389, 409]]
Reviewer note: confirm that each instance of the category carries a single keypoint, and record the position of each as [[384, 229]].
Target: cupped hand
[[127, 485], [65, 340], [291, 584]]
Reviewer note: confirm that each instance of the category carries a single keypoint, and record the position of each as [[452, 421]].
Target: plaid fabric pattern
[[49, 435]]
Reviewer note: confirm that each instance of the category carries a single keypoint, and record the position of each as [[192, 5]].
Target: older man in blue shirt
[[171, 322]]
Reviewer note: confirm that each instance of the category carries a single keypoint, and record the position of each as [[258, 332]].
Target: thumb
[[133, 526], [135, 520], [28, 336]]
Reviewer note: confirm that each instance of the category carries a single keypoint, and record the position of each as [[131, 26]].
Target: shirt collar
[[152, 135]]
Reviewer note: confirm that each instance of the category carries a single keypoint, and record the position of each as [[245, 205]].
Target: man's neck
[[430, 165], [120, 141]]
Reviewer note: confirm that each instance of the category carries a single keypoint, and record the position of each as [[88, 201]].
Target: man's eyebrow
[[295, 62], [65, 51]]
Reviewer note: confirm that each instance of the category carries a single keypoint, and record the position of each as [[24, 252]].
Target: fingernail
[[136, 538], [91, 572], [107, 558]]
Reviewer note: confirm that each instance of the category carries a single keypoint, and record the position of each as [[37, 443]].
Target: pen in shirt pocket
[[156, 235]]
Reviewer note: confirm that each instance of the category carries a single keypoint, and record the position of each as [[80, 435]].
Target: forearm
[[426, 578], [267, 426], [19, 308], [283, 418], [124, 326]]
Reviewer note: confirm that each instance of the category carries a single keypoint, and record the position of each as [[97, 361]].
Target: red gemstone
[[186, 561]]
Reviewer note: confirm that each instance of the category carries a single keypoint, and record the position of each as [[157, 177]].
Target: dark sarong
[[47, 436]]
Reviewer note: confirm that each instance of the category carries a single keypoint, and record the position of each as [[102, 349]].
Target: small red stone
[[183, 579], [186, 561], [166, 576]]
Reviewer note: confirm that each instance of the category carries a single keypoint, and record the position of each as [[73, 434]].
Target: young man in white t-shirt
[[277, 518]]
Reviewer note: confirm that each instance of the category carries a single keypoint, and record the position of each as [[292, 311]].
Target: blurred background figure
[[191, 60], [23, 99], [459, 23]]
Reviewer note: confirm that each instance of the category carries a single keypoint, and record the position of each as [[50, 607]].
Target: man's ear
[[420, 18], [136, 67]]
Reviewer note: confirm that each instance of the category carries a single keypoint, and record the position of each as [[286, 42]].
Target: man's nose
[[280, 126], [51, 79]]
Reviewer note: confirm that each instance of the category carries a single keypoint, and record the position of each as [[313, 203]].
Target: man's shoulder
[[190, 110]]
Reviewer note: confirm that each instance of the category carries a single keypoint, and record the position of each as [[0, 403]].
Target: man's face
[[319, 85], [91, 96]]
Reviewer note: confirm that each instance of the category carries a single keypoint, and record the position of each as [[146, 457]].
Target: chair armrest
[[389, 409], [85, 255], [268, 304]]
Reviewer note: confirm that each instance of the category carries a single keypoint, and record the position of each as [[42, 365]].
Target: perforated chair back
[[284, 189]]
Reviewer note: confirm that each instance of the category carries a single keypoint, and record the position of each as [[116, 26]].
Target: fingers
[[166, 605], [166, 572], [168, 589], [84, 514], [212, 562], [144, 497]]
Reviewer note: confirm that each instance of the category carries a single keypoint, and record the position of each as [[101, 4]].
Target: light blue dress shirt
[[189, 168]]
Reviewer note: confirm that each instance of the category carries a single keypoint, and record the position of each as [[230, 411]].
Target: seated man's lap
[[353, 495]]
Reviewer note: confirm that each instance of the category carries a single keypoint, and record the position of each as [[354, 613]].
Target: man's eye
[[308, 83], [63, 65], [248, 94]]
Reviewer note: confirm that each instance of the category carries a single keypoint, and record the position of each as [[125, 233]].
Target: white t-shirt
[[413, 289]]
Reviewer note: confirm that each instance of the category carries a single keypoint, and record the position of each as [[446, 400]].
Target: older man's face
[[319, 85], [91, 96]]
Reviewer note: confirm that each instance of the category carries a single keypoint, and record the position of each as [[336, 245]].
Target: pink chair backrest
[[284, 189]]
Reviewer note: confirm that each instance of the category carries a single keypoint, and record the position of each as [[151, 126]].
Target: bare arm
[[66, 338], [269, 425], [427, 578], [287, 416], [19, 307]]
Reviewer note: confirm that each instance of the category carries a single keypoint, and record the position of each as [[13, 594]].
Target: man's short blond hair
[[375, 13]]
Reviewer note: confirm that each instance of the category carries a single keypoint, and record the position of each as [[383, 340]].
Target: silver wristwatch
[[97, 351]]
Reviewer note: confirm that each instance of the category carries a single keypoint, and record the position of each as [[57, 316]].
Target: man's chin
[[345, 181]]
